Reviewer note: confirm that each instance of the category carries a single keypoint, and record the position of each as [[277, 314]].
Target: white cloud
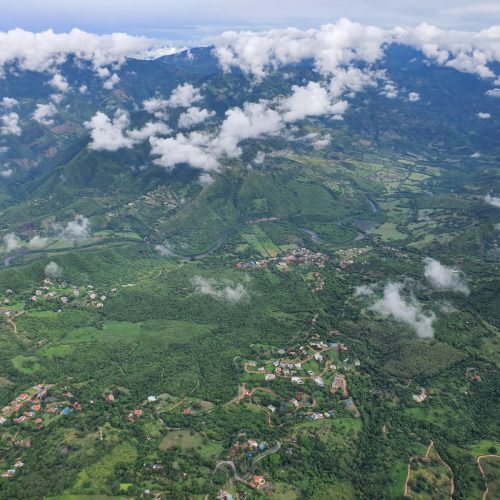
[[494, 201], [206, 179], [390, 91], [155, 105], [444, 278], [190, 149], [43, 113], [464, 51], [11, 242], [493, 93], [9, 124], [38, 242], [111, 134], [165, 250], [408, 311], [76, 230], [259, 158], [82, 89], [108, 134], [337, 45], [56, 98], [310, 100], [225, 291], [322, 142], [484, 116], [9, 102], [59, 82], [364, 290], [111, 82], [193, 116], [47, 50], [183, 96], [150, 129], [252, 121], [6, 173], [53, 270], [331, 46], [477, 154], [414, 97]]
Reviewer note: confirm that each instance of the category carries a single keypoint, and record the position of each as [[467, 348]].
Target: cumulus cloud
[[190, 149], [194, 116], [364, 290], [59, 82], [83, 89], [53, 270], [6, 173], [337, 45], [43, 113], [444, 278], [150, 129], [206, 179], [310, 100], [322, 142], [76, 230], [9, 102], [414, 96], [108, 134], [37, 242], [405, 310], [226, 291], [183, 96], [165, 250], [331, 46], [493, 93], [11, 242], [484, 116], [56, 98], [494, 201], [252, 121], [48, 50], [464, 51], [110, 83], [9, 124], [112, 134]]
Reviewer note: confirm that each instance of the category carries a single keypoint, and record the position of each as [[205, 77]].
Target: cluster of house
[[282, 261], [12, 471], [421, 396], [315, 282], [224, 495], [136, 413], [320, 415], [247, 446], [88, 297], [346, 256], [35, 403], [161, 195], [395, 251]]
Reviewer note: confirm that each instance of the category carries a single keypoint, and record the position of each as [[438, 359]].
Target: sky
[[192, 20]]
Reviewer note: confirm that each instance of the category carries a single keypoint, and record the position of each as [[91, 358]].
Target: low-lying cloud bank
[[444, 278], [47, 51], [405, 310], [226, 291]]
